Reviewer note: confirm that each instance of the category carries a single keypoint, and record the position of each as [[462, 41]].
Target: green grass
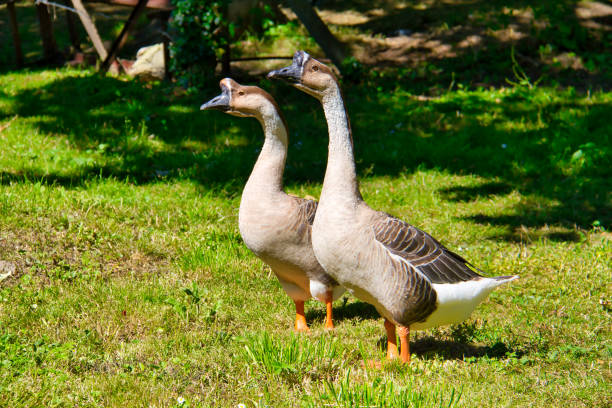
[[118, 206]]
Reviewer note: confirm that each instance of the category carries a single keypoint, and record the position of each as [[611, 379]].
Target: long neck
[[267, 175], [340, 175]]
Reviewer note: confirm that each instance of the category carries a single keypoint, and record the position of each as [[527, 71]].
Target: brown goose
[[412, 280], [274, 225]]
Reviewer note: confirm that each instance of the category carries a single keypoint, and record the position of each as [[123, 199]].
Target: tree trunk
[[15, 31], [72, 28], [46, 33], [330, 45]]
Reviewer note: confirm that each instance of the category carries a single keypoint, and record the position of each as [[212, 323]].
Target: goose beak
[[292, 73], [221, 102]]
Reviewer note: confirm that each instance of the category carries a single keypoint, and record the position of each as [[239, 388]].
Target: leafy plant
[[352, 70], [194, 304], [200, 32], [195, 294], [522, 79], [587, 155]]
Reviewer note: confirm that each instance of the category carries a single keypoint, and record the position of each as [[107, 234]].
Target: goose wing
[[422, 251], [303, 217], [307, 210]]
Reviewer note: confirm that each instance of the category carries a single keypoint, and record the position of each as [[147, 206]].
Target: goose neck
[[340, 175], [267, 174]]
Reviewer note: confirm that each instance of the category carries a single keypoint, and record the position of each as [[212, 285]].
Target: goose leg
[[404, 334], [329, 322], [391, 340], [300, 318]]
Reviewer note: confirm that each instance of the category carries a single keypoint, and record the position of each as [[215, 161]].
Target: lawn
[[132, 287]]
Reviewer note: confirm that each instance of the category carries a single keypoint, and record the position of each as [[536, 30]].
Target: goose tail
[[500, 280]]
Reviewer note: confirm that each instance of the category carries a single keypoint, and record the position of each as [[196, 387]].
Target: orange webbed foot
[[300, 325], [300, 319]]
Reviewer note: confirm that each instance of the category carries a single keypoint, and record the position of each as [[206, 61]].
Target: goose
[[276, 226], [411, 279]]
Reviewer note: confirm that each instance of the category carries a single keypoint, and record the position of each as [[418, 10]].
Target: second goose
[[411, 279]]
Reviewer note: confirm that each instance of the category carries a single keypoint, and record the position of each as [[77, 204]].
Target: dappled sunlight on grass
[[119, 129], [538, 146], [119, 210]]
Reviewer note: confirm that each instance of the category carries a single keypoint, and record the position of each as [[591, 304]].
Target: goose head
[[307, 74], [240, 100]]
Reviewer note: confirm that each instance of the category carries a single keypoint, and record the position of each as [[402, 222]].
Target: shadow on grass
[[122, 121], [483, 191], [431, 348], [426, 347], [346, 311], [551, 150], [521, 233], [551, 147]]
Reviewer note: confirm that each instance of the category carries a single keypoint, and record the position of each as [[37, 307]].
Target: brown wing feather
[[306, 210], [422, 251], [419, 298]]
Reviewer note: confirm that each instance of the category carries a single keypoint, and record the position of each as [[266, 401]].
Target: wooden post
[[120, 40], [166, 39], [72, 28], [166, 58], [91, 29], [15, 31], [46, 32]]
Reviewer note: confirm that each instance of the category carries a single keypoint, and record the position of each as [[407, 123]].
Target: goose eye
[[315, 68]]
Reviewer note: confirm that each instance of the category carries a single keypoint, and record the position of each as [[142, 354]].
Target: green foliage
[[202, 34], [200, 31], [522, 79], [195, 305], [352, 70], [262, 19]]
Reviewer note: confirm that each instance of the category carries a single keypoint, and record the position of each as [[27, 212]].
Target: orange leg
[[391, 340], [404, 334], [300, 319], [329, 322]]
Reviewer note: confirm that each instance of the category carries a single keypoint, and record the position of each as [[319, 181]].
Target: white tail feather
[[456, 301]]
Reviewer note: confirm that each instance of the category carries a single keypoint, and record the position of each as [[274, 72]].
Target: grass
[[132, 287]]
